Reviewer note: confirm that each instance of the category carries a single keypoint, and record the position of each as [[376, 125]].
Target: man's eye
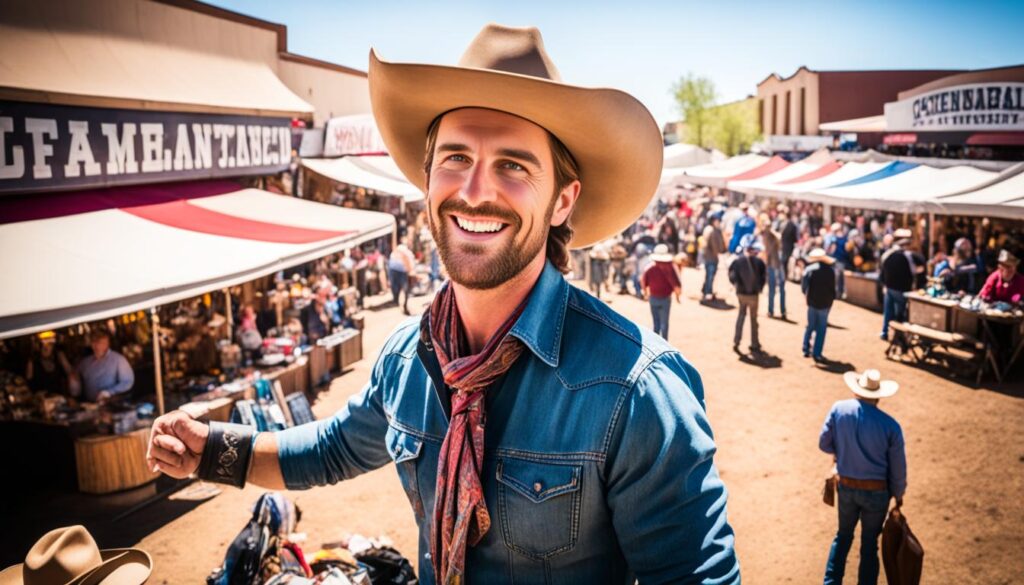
[[512, 166], [457, 158]]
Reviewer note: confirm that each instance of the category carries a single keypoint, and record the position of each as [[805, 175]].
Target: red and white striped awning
[[74, 257]]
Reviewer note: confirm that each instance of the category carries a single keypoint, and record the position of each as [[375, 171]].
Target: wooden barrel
[[111, 463]]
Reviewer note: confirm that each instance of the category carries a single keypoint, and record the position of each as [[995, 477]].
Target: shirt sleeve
[[667, 501], [826, 440], [125, 377], [990, 283], [897, 456], [805, 282], [341, 447]]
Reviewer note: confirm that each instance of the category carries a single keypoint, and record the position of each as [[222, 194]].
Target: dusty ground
[[966, 458]]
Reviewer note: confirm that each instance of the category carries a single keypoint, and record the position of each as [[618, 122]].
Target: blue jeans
[[399, 282], [817, 323], [660, 307], [776, 278], [869, 507], [840, 270], [894, 308], [709, 277]]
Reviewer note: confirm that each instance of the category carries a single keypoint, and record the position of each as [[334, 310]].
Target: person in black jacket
[[748, 274], [819, 286], [897, 274], [789, 234]]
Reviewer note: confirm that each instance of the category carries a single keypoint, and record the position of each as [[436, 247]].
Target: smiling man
[[540, 436]]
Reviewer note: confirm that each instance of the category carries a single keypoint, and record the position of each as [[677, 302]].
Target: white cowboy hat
[[611, 135], [819, 255], [661, 254], [902, 234], [869, 384], [69, 556]]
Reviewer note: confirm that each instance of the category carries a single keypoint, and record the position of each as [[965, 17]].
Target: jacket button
[[398, 450], [537, 487]]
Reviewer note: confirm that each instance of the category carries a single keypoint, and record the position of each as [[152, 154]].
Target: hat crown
[[661, 249], [61, 555], [870, 380], [512, 50]]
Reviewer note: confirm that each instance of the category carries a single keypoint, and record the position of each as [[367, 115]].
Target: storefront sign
[[45, 147], [966, 108], [353, 135]]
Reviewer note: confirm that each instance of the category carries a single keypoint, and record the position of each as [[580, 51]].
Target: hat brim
[[822, 259], [122, 566], [886, 388], [662, 257], [615, 141]]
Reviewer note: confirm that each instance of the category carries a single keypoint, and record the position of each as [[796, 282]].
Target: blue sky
[[643, 47]]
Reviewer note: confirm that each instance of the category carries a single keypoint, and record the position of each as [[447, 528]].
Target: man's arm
[[667, 501], [826, 440], [897, 459], [125, 376]]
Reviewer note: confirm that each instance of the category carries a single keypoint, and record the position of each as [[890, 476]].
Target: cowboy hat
[[661, 254], [69, 556], [611, 135], [869, 384], [902, 234], [1007, 258], [750, 241], [819, 255]]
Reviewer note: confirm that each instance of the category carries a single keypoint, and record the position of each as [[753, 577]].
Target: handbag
[[828, 493], [902, 553]]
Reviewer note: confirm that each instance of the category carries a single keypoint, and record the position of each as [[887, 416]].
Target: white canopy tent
[[793, 171], [1003, 198], [88, 266], [847, 172], [915, 190], [717, 173], [379, 173], [679, 156]]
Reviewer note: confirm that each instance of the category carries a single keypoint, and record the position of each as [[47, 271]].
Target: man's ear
[[565, 200]]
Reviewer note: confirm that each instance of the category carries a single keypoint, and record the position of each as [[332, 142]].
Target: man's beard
[[469, 264]]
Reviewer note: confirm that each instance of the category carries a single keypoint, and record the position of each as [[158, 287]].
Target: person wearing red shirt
[[1005, 284], [660, 282]]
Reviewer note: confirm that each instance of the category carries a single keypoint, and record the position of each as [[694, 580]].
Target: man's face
[[1006, 271], [100, 345], [491, 195]]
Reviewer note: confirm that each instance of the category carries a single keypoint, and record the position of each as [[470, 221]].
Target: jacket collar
[[540, 325]]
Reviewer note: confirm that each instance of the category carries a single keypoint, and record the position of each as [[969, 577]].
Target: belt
[[871, 485]]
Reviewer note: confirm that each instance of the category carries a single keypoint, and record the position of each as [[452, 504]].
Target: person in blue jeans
[[897, 274], [871, 462], [714, 247], [660, 283], [819, 287]]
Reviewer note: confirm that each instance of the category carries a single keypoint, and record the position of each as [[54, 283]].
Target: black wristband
[[227, 454]]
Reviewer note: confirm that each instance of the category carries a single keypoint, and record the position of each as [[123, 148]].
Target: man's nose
[[479, 188]]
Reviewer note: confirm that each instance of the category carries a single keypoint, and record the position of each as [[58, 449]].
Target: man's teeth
[[483, 227]]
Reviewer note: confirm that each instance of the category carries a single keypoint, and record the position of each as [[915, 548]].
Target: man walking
[[714, 246], [660, 284], [897, 275], [744, 226], [472, 399], [819, 286], [789, 234], [748, 274], [871, 459], [773, 260]]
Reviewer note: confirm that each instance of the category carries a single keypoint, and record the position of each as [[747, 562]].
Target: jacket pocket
[[539, 505], [405, 451]]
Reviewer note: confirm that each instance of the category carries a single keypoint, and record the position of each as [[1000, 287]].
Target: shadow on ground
[[761, 359]]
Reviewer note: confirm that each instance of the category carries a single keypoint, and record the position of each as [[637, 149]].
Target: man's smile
[[478, 228]]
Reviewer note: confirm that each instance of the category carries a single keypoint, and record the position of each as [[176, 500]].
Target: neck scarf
[[460, 513]]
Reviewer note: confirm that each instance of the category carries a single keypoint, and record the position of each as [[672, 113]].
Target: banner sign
[[965, 108], [46, 147], [353, 135]]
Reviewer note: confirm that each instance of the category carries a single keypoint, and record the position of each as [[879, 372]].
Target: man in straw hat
[[516, 399], [819, 287], [660, 283], [69, 556], [868, 448], [1005, 284]]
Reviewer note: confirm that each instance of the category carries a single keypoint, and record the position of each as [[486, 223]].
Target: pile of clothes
[[265, 553]]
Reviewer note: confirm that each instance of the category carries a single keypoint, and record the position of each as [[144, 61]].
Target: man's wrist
[[227, 455]]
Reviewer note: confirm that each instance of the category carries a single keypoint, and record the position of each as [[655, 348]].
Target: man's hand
[[103, 396], [899, 502], [176, 444]]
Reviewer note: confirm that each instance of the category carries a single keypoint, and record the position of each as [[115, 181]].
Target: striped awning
[[74, 257]]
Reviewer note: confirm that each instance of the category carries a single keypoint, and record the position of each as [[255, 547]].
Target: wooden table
[[111, 463], [930, 312], [1002, 359], [864, 290]]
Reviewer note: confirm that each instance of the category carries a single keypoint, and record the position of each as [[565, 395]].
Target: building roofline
[[279, 29]]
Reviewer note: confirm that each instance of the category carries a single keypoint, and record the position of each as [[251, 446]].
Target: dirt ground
[[965, 499]]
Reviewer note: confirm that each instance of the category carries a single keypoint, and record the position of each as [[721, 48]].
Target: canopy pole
[[157, 366], [227, 309], [932, 233]]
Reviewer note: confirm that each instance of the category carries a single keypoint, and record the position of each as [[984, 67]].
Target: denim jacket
[[598, 454]]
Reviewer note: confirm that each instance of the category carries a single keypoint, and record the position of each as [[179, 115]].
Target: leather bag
[[902, 553]]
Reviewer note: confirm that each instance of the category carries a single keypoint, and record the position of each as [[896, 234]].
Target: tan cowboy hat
[[1007, 258], [819, 255], [869, 384], [661, 254], [614, 139], [902, 234], [69, 556]]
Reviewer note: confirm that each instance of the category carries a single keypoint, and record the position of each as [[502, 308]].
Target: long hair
[[566, 171]]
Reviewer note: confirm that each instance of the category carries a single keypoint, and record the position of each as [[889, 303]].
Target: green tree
[[733, 127], [694, 95]]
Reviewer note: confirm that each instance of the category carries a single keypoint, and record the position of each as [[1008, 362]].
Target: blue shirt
[[867, 443], [839, 251], [598, 463], [744, 225], [111, 373]]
